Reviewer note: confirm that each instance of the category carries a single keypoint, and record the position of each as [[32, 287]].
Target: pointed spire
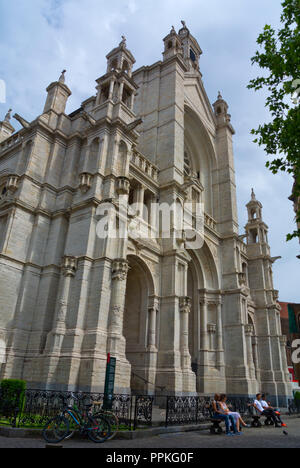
[[8, 116], [253, 196], [62, 77]]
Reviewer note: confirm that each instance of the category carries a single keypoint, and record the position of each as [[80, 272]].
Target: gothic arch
[[134, 260], [140, 290], [206, 268], [201, 153]]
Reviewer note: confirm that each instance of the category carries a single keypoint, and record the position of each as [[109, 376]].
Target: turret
[[221, 112], [58, 94], [256, 229], [117, 86], [191, 49], [173, 45], [6, 129]]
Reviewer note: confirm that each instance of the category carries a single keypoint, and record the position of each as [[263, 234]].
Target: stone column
[[132, 100], [185, 309], [220, 345], [204, 332], [152, 351], [69, 268], [153, 217], [140, 199], [111, 89], [99, 95], [121, 90], [255, 358], [120, 269], [152, 328], [283, 344], [249, 333]]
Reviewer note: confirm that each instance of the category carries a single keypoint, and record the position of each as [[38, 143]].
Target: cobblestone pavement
[[252, 438]]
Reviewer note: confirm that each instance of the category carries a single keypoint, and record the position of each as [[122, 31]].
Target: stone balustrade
[[210, 222], [138, 160], [10, 142]]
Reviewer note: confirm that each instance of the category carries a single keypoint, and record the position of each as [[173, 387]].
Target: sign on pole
[[109, 382]]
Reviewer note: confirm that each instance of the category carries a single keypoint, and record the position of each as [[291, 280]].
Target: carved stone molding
[[85, 182], [212, 328], [249, 329], [275, 295], [12, 183], [123, 186], [185, 304], [69, 266], [120, 269]]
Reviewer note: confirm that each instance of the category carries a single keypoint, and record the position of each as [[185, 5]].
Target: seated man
[[266, 406], [264, 411]]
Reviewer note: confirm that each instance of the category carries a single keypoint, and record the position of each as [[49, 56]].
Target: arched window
[[114, 64], [125, 67]]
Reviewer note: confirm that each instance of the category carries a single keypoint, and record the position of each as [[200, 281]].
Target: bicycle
[[71, 420], [111, 417]]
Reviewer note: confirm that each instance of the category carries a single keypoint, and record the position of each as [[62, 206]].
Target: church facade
[[180, 320]]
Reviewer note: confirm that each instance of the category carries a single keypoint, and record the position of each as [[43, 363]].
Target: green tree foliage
[[279, 57]]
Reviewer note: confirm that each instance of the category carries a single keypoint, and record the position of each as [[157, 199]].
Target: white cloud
[[38, 38]]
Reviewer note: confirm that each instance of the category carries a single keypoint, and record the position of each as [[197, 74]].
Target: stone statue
[[8, 115], [62, 77]]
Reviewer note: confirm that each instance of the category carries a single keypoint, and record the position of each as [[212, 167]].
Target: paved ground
[[252, 438]]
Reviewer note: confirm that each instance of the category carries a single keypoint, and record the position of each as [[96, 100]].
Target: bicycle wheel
[[113, 421], [56, 430], [99, 429], [73, 427]]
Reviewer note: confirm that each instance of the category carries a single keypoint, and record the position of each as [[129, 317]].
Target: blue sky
[[38, 38]]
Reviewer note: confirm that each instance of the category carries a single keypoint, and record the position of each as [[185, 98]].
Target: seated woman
[[237, 417], [227, 418]]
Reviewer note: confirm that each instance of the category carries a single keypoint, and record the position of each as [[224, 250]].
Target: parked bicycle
[[71, 420], [110, 416]]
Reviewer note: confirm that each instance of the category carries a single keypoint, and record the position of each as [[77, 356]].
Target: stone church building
[[179, 321]]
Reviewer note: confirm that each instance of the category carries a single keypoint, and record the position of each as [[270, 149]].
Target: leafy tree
[[279, 57]]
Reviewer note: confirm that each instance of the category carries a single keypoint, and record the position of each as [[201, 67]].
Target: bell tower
[[191, 49], [117, 85], [256, 229]]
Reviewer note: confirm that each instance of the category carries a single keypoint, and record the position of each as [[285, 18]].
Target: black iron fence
[[195, 410], [36, 407], [33, 408]]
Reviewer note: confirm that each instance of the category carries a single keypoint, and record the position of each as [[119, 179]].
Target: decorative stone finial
[[253, 196], [184, 24], [62, 77], [8, 116], [123, 42], [220, 95], [173, 31]]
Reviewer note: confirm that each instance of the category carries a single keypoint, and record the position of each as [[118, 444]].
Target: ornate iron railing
[[194, 410], [38, 406]]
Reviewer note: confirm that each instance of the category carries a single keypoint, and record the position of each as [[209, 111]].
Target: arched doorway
[[139, 295]]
